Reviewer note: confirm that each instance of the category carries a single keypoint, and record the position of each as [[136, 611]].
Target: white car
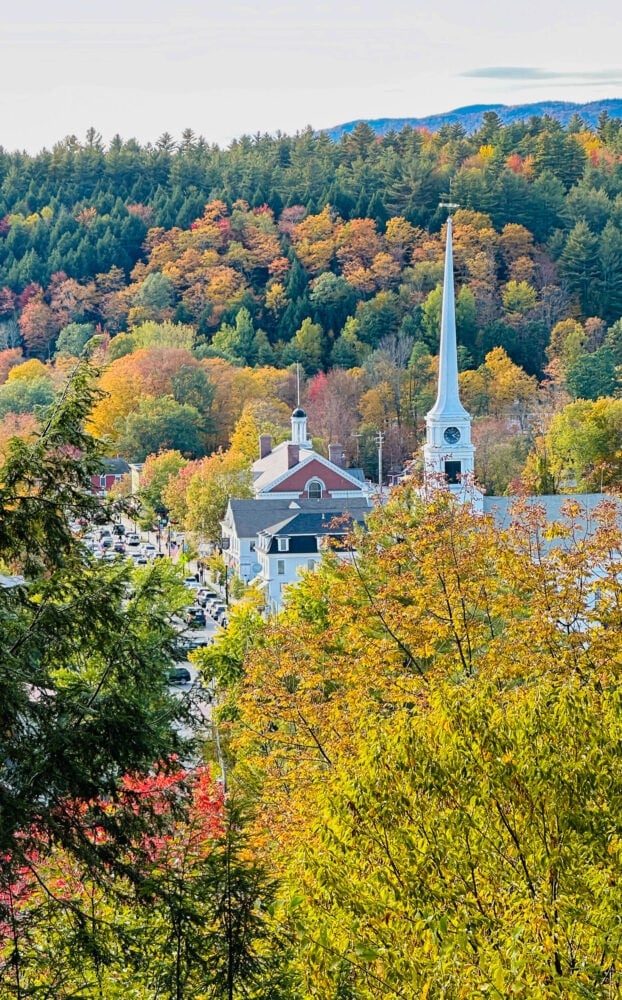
[[192, 583], [149, 550]]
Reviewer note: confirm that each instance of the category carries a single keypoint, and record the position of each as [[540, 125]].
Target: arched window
[[314, 490]]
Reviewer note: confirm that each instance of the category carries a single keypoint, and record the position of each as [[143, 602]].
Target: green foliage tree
[[431, 317], [519, 297], [583, 444], [348, 351], [73, 338], [593, 375], [222, 663], [579, 263], [26, 396], [333, 300], [84, 668], [155, 297], [307, 347], [236, 343], [162, 424]]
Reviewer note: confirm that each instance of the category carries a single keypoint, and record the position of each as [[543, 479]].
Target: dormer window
[[282, 544], [314, 490]]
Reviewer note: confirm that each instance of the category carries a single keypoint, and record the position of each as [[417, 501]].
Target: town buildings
[[302, 503]]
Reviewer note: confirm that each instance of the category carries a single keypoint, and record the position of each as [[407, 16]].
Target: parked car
[[179, 675], [186, 643], [133, 539], [195, 617]]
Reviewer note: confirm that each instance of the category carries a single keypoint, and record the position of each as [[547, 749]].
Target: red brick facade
[[298, 479]]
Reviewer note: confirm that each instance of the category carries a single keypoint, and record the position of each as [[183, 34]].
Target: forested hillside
[[419, 782], [298, 249]]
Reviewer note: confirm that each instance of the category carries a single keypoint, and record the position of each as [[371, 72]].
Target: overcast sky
[[143, 67]]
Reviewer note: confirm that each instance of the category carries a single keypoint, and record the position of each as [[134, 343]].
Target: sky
[[140, 68]]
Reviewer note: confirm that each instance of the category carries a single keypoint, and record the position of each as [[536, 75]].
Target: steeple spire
[[448, 453], [448, 398]]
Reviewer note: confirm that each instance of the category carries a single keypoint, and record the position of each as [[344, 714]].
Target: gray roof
[[502, 508], [118, 466], [252, 516]]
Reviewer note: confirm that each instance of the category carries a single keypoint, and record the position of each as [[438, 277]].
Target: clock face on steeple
[[451, 435]]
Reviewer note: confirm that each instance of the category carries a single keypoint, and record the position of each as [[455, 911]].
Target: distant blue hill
[[471, 117]]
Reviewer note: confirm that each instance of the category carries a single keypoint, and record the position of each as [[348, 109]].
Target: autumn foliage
[[434, 731]]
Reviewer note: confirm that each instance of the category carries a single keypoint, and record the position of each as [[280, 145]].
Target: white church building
[[448, 453]]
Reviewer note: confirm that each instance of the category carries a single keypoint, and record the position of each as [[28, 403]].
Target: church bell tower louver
[[449, 456]]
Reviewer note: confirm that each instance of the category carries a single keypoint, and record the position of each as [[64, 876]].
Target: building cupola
[[299, 428]]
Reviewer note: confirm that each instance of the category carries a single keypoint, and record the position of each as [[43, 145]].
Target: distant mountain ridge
[[471, 117]]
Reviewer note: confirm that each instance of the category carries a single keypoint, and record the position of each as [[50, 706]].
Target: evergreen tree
[[83, 670]]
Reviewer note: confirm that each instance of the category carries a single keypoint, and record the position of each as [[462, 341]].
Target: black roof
[[305, 527], [298, 412]]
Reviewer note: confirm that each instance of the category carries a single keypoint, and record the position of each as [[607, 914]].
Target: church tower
[[448, 453]]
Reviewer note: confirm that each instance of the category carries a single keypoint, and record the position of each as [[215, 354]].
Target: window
[[452, 471], [314, 490], [282, 544], [280, 567]]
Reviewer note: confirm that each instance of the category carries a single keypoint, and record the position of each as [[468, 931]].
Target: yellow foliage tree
[[28, 370], [433, 733]]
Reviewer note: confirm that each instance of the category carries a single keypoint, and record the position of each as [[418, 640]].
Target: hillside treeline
[[297, 249]]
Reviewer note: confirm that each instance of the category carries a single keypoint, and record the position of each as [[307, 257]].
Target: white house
[[296, 544]]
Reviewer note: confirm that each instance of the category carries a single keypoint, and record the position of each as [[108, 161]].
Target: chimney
[[335, 455], [293, 455], [265, 445]]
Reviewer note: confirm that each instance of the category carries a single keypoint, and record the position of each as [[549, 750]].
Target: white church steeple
[[448, 398], [448, 453]]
